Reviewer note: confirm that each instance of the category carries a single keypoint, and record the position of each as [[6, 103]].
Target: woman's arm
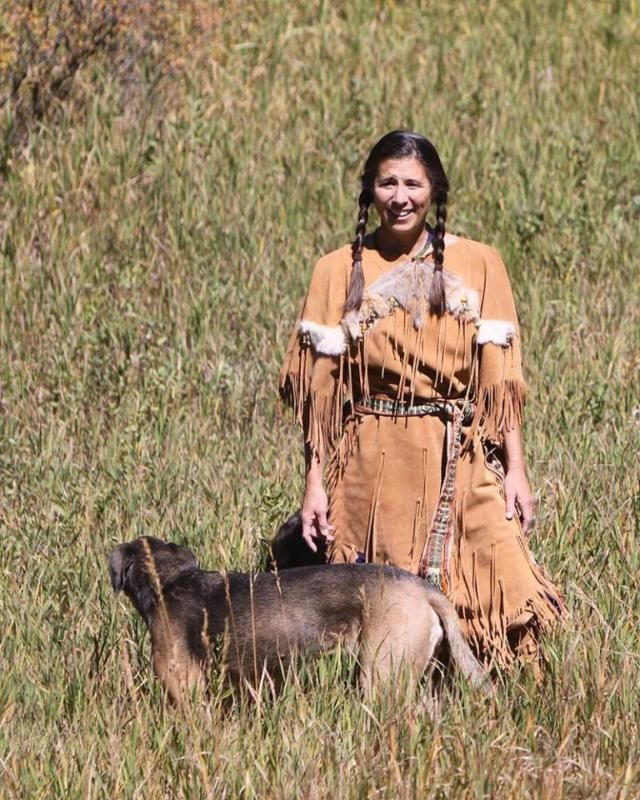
[[312, 381], [315, 504], [516, 484]]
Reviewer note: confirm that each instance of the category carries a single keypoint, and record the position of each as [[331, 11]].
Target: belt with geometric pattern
[[437, 407], [436, 554]]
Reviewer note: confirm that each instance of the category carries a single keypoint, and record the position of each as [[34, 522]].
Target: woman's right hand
[[315, 525]]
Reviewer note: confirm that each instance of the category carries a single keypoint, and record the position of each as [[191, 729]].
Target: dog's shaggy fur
[[387, 616]]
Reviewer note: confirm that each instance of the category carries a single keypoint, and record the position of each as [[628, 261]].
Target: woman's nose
[[400, 194]]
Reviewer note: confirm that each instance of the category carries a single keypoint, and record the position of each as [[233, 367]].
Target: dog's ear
[[119, 566], [187, 559], [127, 568]]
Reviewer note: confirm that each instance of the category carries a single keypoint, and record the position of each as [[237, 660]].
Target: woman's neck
[[393, 245]]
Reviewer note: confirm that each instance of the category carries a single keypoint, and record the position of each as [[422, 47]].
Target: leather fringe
[[499, 407], [319, 413]]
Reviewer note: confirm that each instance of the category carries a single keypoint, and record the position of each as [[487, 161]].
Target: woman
[[404, 370]]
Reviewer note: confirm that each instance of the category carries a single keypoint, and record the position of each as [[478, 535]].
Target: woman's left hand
[[517, 492]]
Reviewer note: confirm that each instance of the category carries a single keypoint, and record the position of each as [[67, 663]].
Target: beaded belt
[[446, 409], [436, 554]]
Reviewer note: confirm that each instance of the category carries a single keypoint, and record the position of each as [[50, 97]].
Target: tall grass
[[156, 239]]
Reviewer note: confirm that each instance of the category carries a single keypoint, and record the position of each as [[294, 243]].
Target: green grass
[[155, 241]]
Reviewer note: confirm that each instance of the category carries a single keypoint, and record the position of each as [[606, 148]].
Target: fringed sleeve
[[501, 387], [313, 379]]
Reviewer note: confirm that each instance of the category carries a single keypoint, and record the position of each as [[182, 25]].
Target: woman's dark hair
[[401, 144]]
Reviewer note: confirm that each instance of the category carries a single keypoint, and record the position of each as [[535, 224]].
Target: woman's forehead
[[407, 168]]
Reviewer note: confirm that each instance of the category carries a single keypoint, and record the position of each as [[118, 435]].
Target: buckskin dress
[[423, 491]]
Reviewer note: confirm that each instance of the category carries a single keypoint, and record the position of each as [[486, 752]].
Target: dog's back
[[264, 616]]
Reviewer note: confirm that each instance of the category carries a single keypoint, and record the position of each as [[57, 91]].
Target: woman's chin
[[403, 227]]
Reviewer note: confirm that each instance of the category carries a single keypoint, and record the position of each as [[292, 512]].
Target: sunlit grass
[[154, 247]]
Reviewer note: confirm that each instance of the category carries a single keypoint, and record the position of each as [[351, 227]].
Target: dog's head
[[289, 549], [143, 568]]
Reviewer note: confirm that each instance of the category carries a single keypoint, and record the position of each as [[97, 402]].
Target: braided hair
[[401, 144], [437, 298], [356, 283]]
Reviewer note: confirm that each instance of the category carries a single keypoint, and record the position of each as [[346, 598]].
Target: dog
[[386, 616], [288, 548]]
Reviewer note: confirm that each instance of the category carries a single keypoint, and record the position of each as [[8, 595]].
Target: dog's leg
[[175, 666], [398, 630]]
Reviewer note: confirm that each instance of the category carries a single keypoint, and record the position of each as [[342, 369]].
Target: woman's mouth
[[400, 214]]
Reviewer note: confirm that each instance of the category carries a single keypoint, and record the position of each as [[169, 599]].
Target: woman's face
[[402, 196]]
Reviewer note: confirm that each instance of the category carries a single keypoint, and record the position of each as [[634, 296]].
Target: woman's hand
[[516, 485], [315, 506], [517, 492]]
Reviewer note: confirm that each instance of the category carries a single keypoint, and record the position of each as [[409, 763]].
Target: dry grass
[[156, 238]]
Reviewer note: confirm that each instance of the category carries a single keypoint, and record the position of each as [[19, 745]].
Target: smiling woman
[[402, 196], [405, 373]]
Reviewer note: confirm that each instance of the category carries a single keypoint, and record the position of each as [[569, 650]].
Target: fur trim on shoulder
[[408, 286], [326, 340], [495, 331]]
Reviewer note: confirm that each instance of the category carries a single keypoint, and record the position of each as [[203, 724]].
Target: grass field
[[156, 237]]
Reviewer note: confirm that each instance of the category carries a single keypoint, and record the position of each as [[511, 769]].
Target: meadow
[[158, 226]]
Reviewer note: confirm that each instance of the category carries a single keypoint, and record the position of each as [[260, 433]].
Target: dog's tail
[[461, 653]]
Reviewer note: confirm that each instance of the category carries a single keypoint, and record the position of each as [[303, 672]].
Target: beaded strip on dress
[[436, 555], [434, 561], [435, 558]]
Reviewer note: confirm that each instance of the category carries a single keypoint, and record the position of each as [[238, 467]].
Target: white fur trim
[[495, 331], [325, 339]]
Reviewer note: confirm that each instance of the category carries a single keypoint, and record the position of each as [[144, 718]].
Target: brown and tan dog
[[387, 616]]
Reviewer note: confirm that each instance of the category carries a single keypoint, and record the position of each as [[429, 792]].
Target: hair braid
[[356, 282], [437, 297]]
